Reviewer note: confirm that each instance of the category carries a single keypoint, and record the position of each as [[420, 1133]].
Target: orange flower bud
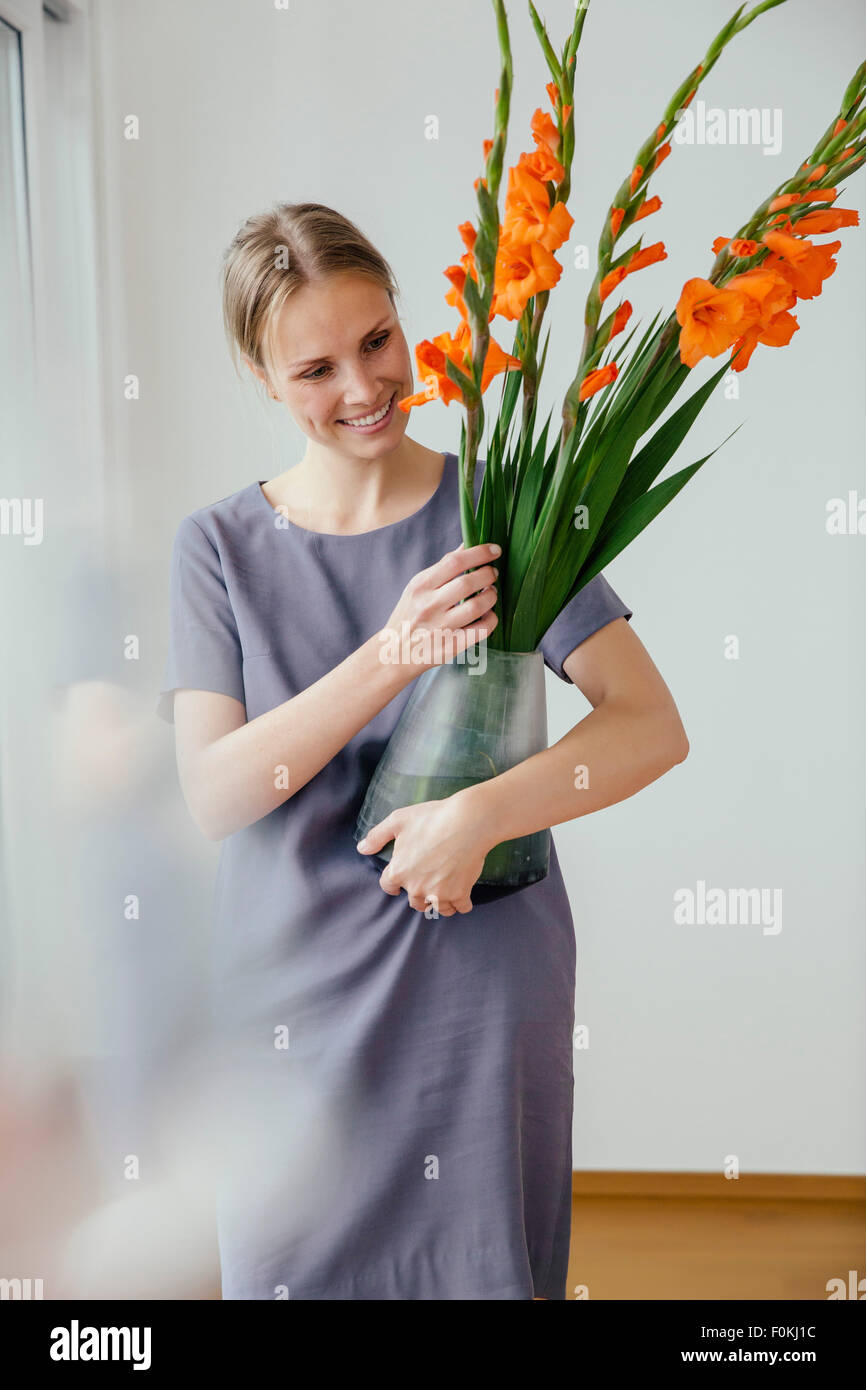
[[594, 381], [620, 318], [611, 280], [648, 256], [661, 154], [648, 206]]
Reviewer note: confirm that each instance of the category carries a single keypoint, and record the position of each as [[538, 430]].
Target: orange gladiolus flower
[[522, 270], [620, 319], [486, 148], [566, 112], [616, 216], [710, 319], [528, 216], [804, 265], [840, 125], [636, 176], [594, 381], [777, 333], [544, 130], [660, 132], [647, 206], [843, 154], [431, 358], [552, 91], [542, 165], [772, 296], [829, 221], [740, 246], [817, 173], [769, 291]]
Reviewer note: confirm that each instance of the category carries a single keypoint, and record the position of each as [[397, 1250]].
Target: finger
[[463, 904], [472, 609], [454, 562], [466, 584], [388, 883], [465, 637], [378, 835]]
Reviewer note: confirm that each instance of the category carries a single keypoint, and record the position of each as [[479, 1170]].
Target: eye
[[380, 339]]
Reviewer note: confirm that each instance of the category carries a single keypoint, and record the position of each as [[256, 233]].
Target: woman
[[431, 1055]]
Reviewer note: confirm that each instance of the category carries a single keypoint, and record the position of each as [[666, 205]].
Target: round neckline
[[356, 535]]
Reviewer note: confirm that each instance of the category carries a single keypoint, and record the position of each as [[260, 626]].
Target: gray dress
[[401, 1088]]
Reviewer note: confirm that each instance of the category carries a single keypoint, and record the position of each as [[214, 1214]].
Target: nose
[[360, 388]]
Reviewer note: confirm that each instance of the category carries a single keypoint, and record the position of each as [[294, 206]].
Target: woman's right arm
[[233, 771]]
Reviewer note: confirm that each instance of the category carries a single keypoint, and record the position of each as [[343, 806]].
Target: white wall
[[705, 1041]]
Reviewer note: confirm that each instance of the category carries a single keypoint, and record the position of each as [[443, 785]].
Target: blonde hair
[[276, 252]]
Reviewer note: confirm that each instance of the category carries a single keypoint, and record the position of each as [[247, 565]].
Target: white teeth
[[369, 419]]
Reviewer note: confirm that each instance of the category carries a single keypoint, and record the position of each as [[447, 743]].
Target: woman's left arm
[[632, 736]]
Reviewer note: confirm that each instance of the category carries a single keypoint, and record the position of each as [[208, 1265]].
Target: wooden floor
[[693, 1236]]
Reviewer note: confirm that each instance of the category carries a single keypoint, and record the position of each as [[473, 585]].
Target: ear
[[257, 371], [260, 373]]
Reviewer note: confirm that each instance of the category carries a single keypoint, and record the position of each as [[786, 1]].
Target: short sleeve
[[204, 651], [593, 606]]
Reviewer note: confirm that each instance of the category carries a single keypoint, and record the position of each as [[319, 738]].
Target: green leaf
[[646, 466], [639, 515]]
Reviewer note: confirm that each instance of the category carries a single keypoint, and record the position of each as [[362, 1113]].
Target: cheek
[[399, 363], [311, 405]]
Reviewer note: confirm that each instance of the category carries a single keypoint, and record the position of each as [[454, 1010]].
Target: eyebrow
[[309, 361]]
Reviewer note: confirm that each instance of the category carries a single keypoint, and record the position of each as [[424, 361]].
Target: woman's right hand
[[430, 625]]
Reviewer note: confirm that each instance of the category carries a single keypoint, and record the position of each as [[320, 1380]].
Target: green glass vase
[[461, 725]]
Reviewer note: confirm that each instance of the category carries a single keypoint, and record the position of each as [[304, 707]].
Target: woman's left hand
[[439, 851]]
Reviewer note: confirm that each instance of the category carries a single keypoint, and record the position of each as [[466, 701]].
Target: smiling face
[[339, 357]]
